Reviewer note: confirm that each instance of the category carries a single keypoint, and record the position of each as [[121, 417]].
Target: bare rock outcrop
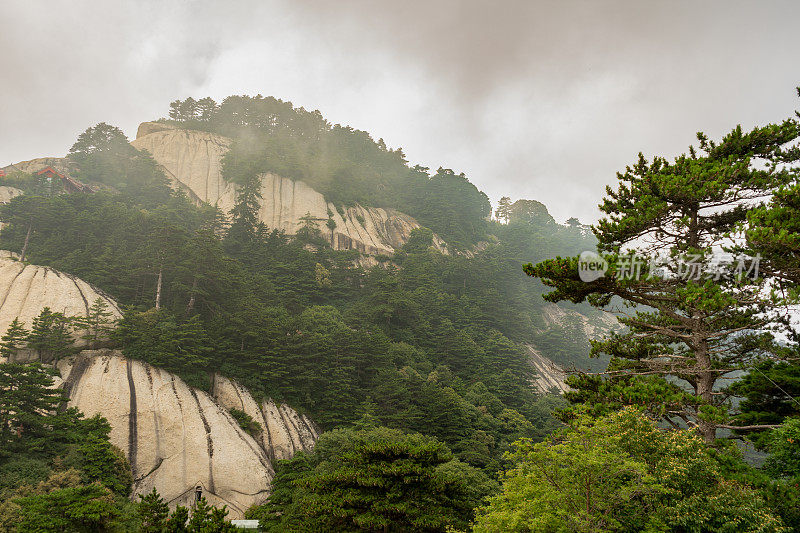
[[8, 193], [40, 163], [592, 326], [192, 161], [549, 376], [27, 289], [283, 431], [178, 438]]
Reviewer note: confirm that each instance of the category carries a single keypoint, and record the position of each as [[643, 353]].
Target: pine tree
[[177, 520], [14, 339], [245, 212], [208, 519], [188, 109], [691, 324], [97, 324], [175, 110], [206, 107], [503, 211], [50, 335], [153, 512], [309, 228], [27, 398]]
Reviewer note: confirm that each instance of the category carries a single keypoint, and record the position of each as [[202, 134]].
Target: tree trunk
[[190, 305], [158, 288], [705, 381], [25, 246]]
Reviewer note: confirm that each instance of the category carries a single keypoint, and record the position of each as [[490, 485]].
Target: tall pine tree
[[697, 320]]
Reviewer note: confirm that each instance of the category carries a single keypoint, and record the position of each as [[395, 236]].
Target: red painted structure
[[70, 184]]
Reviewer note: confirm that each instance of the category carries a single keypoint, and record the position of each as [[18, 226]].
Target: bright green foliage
[[246, 422], [374, 479], [177, 520], [13, 340], [784, 450], [285, 495], [153, 512], [102, 462], [58, 471], [693, 329], [26, 401], [774, 232], [50, 335], [208, 519], [83, 508], [770, 393], [621, 473]]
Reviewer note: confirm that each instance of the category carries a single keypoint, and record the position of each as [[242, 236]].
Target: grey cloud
[[545, 100]]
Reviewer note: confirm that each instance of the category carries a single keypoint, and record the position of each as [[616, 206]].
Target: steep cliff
[[283, 431], [178, 438], [549, 376], [175, 437], [27, 289], [192, 161], [592, 326]]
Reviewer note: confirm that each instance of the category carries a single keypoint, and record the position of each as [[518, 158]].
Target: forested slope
[[424, 341]]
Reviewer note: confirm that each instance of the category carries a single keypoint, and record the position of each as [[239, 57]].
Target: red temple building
[[70, 184]]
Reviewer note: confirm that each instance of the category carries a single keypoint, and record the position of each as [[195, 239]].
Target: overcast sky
[[540, 100]]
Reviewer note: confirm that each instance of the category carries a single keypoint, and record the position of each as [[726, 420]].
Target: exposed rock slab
[[549, 376], [283, 431], [40, 163], [178, 438], [192, 161], [27, 289], [592, 326], [8, 193]]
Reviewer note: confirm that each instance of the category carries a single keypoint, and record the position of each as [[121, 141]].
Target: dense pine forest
[[416, 365]]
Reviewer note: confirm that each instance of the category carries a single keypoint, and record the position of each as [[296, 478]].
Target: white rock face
[[27, 289], [7, 193], [549, 375], [192, 161], [178, 438], [283, 431], [591, 326]]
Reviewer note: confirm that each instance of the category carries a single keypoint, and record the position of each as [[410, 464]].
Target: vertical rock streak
[[133, 426]]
